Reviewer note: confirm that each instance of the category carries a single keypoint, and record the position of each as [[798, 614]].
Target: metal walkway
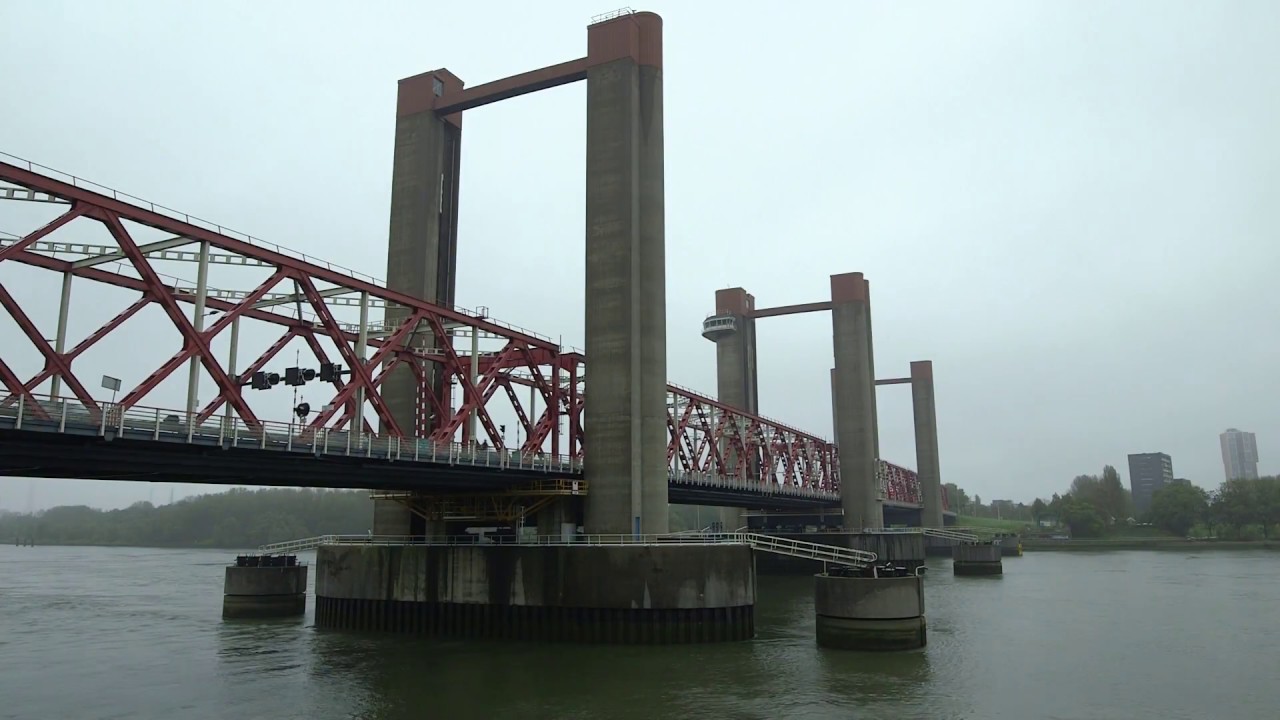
[[756, 541], [945, 534]]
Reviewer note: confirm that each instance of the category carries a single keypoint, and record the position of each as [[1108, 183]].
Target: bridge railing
[[683, 477], [950, 534], [764, 543], [43, 413]]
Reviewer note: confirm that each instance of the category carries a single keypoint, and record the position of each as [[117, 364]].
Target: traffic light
[[264, 380], [298, 376], [330, 372]]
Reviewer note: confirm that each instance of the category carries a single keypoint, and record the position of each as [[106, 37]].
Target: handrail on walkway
[[756, 541], [948, 534]]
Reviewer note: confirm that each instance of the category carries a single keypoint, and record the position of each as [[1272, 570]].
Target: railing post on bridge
[[191, 426], [120, 425], [288, 445], [62, 422], [222, 430], [262, 429], [102, 420], [22, 402], [348, 442], [155, 432], [235, 432]]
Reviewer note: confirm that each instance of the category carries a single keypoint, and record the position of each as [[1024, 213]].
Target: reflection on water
[[137, 633]]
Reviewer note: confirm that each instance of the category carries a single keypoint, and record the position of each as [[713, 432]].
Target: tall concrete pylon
[[928, 467], [733, 330], [422, 245], [854, 392], [626, 322]]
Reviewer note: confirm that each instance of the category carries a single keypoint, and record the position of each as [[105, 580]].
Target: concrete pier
[[901, 549], [940, 547], [855, 402], [971, 559], [626, 335], [926, 430], [1010, 544], [870, 613], [264, 586], [391, 518], [642, 594]]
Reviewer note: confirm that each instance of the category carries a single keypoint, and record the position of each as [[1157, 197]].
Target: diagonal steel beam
[[359, 371], [157, 246], [76, 211], [198, 343], [52, 360], [85, 344]]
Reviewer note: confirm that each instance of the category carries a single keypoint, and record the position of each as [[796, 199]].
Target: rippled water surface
[[137, 633]]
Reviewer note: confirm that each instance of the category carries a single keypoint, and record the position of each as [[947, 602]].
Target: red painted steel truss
[[707, 439], [398, 342]]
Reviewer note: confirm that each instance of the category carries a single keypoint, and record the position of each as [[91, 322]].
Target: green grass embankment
[[992, 523]]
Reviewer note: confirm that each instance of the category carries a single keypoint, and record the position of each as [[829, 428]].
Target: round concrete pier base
[[621, 594], [266, 589], [977, 560], [870, 613]]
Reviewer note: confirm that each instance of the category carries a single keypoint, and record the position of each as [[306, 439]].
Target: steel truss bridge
[[52, 425]]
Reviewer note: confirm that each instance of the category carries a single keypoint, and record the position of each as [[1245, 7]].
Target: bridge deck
[[66, 440]]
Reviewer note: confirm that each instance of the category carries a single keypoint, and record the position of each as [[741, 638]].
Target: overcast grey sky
[[1070, 207]]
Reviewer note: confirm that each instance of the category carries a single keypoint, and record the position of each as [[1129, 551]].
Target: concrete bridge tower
[[626, 299], [733, 329]]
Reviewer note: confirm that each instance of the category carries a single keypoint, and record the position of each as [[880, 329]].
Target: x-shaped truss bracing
[[706, 438], [539, 359], [709, 438]]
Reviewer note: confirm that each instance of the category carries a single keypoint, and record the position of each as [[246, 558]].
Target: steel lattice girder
[[705, 436], [110, 211]]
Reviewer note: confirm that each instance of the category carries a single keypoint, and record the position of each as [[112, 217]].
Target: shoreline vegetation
[[1141, 543], [242, 519], [237, 519]]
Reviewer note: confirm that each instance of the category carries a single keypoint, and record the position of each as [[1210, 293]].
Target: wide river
[[137, 633]]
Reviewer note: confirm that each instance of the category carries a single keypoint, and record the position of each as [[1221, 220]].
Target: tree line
[[1237, 510], [236, 518], [1095, 504], [1092, 505]]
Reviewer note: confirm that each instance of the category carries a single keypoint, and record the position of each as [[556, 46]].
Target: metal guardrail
[[756, 541], [949, 534], [62, 415], [44, 413]]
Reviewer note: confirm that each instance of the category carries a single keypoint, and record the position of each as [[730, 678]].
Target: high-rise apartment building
[[1239, 454], [1148, 472]]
